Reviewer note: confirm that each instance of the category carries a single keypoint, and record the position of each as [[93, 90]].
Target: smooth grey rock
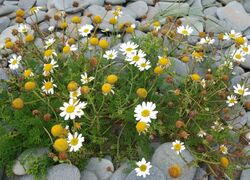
[[122, 172], [225, 1], [96, 10], [7, 9], [138, 33], [24, 159], [168, 8], [140, 8], [238, 71], [115, 1], [246, 63], [10, 3], [27, 177], [63, 5], [248, 118], [36, 18], [208, 2], [42, 3], [200, 174], [63, 172], [211, 11], [196, 9], [179, 67], [164, 157], [26, 4], [212, 24], [149, 2], [245, 174], [246, 4], [155, 174], [234, 14], [103, 168], [246, 150], [93, 2], [87, 175], [4, 23], [1, 1], [235, 80], [238, 117]]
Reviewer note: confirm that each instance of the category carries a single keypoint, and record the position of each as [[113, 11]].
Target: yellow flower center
[[145, 113], [143, 64], [106, 88], [136, 58], [177, 147], [48, 53], [86, 30], [245, 49], [14, 62], [27, 73], [129, 49], [238, 56], [143, 168], [141, 126], [232, 36], [48, 85], [70, 109], [48, 67], [184, 31], [231, 101], [74, 141], [66, 49], [163, 61], [241, 91], [74, 94]]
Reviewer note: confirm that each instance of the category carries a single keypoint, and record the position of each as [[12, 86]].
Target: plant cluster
[[82, 98]]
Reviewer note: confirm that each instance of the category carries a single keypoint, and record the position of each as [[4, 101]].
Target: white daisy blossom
[[51, 28], [14, 62], [143, 168], [143, 65], [203, 83], [128, 48], [223, 149], [241, 90], [136, 57], [52, 55], [23, 28], [145, 112], [72, 109], [110, 54], [245, 48], [231, 100], [238, 56], [231, 35], [117, 13], [35, 10], [75, 141], [186, 31], [85, 79], [206, 40], [49, 68], [49, 42], [75, 94], [72, 48], [202, 133], [48, 86], [178, 146], [85, 30]]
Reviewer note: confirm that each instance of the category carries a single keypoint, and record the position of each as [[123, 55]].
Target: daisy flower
[[231, 35], [23, 28], [241, 90], [231, 100], [128, 48], [14, 62], [107, 89], [49, 54], [135, 57], [143, 65], [75, 94], [245, 48], [75, 141], [145, 112], [186, 31], [67, 49], [223, 149], [142, 127], [202, 133], [49, 42], [72, 109], [85, 79], [35, 10], [110, 54], [238, 56], [178, 146], [143, 168], [49, 68], [48, 86], [156, 25], [117, 13], [28, 73], [206, 40], [85, 30]]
